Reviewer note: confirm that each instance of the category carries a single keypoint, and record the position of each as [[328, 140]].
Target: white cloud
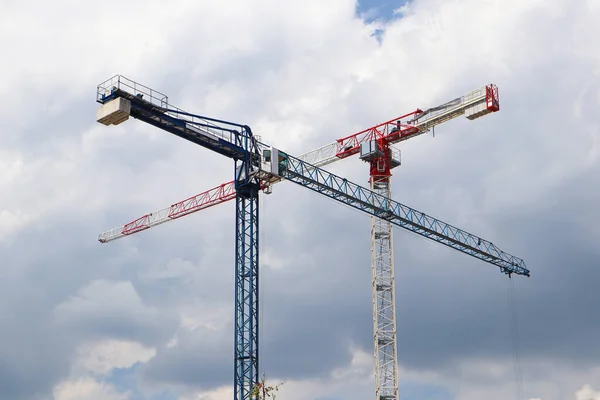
[[493, 381], [115, 309], [587, 393], [87, 389], [10, 223], [177, 268], [350, 380], [542, 379], [101, 295], [103, 356], [205, 315]]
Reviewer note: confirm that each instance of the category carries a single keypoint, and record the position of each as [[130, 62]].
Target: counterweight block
[[114, 112]]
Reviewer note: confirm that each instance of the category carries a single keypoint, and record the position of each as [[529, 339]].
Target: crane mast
[[376, 149], [384, 309], [258, 166], [121, 98]]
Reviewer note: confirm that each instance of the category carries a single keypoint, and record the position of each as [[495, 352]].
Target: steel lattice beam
[[363, 199], [384, 308], [246, 294], [247, 188]]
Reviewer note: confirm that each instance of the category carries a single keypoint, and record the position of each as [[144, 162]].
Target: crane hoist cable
[[516, 348]]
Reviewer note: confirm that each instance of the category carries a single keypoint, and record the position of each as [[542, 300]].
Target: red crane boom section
[[390, 131]]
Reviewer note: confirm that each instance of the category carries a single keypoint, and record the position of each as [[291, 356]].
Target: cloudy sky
[[149, 317]]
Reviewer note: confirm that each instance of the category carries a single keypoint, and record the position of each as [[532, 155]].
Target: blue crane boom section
[[222, 137], [344, 191]]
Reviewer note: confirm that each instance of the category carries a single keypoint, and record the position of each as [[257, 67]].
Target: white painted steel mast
[[384, 315]]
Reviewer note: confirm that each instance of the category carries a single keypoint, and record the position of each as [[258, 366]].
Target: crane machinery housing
[[258, 166]]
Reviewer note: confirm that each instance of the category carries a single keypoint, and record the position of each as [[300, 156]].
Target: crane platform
[[121, 98]]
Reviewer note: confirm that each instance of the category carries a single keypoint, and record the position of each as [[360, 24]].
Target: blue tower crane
[[257, 165]]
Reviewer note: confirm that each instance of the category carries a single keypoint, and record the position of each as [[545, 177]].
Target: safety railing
[[208, 126], [107, 88]]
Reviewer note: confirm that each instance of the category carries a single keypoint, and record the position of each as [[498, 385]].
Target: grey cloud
[[43, 270], [449, 307], [112, 309], [36, 355], [201, 359]]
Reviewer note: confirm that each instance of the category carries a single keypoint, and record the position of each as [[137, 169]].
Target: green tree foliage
[[262, 391]]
